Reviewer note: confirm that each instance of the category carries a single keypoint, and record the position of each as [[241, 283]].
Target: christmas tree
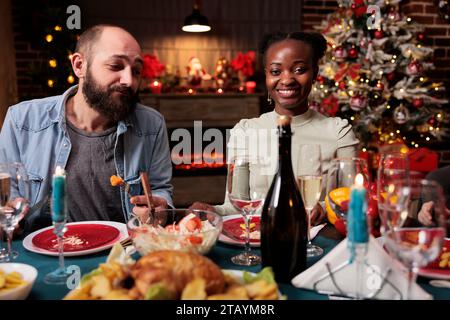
[[374, 75]]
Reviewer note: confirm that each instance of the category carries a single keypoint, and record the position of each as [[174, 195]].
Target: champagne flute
[[14, 200], [340, 178], [418, 246], [393, 188], [309, 179], [244, 199]]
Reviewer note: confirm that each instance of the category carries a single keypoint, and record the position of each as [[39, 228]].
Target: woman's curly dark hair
[[316, 40]]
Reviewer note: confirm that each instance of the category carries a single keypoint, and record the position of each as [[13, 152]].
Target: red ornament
[[391, 76], [358, 102], [320, 79], [340, 53], [417, 103], [342, 85], [420, 36], [414, 67], [379, 34], [353, 53], [431, 121]]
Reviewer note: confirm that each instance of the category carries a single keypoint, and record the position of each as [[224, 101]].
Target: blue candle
[[59, 195], [357, 219]]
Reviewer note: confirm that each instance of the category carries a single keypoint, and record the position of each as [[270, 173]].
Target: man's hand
[[424, 215], [318, 215], [141, 206], [202, 206]]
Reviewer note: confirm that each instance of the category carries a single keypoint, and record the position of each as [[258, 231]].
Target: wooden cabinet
[[215, 111]]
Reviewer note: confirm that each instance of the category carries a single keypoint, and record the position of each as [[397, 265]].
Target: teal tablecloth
[[221, 254]]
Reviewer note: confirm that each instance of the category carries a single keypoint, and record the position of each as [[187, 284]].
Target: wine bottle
[[284, 223]]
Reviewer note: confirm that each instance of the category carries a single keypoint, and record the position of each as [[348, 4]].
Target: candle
[[156, 87], [59, 195], [357, 219], [250, 86]]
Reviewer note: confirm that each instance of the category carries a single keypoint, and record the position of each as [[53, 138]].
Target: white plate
[[225, 239], [29, 274], [28, 241]]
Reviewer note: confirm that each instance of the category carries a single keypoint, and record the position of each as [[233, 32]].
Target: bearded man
[[94, 130]]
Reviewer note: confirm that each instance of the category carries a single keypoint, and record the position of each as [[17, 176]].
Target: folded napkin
[[315, 230], [380, 262]]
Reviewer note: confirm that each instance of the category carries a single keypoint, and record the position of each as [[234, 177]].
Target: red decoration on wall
[[244, 63], [152, 68]]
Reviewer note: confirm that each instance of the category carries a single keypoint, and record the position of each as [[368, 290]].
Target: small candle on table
[[250, 86], [357, 219], [58, 195], [156, 87]]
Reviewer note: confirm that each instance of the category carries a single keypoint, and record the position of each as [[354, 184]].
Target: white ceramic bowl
[[29, 274]]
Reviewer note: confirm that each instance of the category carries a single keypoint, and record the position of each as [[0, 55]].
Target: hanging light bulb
[[196, 22]]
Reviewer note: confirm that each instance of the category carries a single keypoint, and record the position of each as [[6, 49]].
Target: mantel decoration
[[243, 64], [151, 72]]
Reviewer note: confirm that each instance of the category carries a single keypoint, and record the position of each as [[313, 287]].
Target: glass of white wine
[[309, 179]]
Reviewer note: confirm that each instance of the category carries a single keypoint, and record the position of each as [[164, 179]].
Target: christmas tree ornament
[[444, 9], [342, 85], [320, 79], [358, 102], [417, 103], [401, 114], [393, 15], [379, 34], [340, 54], [390, 76], [432, 121], [353, 53], [414, 68], [420, 36]]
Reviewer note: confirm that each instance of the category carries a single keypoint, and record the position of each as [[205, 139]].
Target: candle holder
[[59, 217]]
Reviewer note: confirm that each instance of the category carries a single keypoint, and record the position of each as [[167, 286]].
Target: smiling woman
[[291, 65]]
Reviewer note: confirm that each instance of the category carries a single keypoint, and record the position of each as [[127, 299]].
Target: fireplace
[[198, 129]]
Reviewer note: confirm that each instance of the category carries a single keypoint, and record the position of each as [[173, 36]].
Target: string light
[[427, 138], [52, 63], [439, 115], [422, 79], [49, 38], [388, 107], [50, 83], [364, 149], [416, 145], [398, 131], [70, 79], [352, 118], [70, 56], [58, 28]]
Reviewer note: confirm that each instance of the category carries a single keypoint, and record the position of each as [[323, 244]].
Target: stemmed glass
[[393, 188], [245, 199], [309, 179], [416, 247], [14, 200], [340, 178]]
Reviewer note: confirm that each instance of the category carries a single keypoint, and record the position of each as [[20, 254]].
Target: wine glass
[[393, 188], [340, 178], [245, 199], [309, 179], [14, 200], [415, 247]]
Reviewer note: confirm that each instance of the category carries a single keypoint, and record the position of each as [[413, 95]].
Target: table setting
[[404, 263]]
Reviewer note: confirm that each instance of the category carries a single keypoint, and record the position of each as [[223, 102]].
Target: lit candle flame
[[359, 180]]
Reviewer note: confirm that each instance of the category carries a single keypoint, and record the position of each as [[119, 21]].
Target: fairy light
[[49, 38], [421, 79], [336, 83], [413, 143], [439, 115], [381, 72], [398, 131], [351, 83], [394, 56], [352, 118], [388, 107], [70, 79], [393, 61], [191, 91], [408, 19], [437, 129], [70, 56], [58, 28], [326, 90], [321, 86], [50, 83], [427, 138], [431, 128], [391, 134], [416, 145], [333, 46], [364, 149], [402, 90], [419, 46], [52, 63], [367, 80], [437, 88], [376, 96], [220, 91], [351, 92]]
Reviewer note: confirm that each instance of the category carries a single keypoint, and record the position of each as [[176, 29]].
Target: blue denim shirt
[[34, 133]]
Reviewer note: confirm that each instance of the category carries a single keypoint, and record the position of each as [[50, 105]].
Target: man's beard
[[114, 107]]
